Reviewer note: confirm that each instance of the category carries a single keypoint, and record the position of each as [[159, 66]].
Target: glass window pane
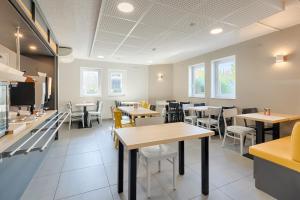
[[197, 81], [90, 82], [116, 83]]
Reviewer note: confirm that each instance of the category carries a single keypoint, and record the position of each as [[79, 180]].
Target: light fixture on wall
[[280, 58], [160, 76], [32, 47]]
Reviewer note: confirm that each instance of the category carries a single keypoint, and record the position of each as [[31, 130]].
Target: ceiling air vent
[[65, 54]]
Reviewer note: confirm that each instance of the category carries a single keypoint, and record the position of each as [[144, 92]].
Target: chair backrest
[[182, 103], [247, 111], [199, 104], [173, 106], [153, 107], [214, 112], [169, 101], [99, 106], [185, 109], [69, 106], [228, 114], [117, 115], [149, 121]]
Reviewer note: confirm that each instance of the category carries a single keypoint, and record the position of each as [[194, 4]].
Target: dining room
[[154, 99]]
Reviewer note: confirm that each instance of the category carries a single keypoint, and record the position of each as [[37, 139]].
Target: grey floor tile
[[42, 188], [100, 194], [245, 189], [80, 181], [82, 148], [82, 160], [51, 165], [213, 195]]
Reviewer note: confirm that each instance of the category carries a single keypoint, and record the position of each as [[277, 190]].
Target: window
[[223, 78], [197, 80], [90, 82], [116, 85]]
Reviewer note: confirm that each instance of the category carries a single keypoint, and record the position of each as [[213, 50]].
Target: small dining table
[[85, 105], [134, 138], [274, 118], [130, 103], [138, 112]]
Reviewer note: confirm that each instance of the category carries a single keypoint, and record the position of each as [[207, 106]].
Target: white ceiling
[[163, 31]]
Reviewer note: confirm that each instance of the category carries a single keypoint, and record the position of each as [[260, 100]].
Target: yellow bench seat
[[276, 151]]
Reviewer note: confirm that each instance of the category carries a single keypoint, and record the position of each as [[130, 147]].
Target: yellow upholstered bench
[[277, 166], [277, 151]]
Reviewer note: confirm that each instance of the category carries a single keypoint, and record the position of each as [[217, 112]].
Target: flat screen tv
[[22, 94]]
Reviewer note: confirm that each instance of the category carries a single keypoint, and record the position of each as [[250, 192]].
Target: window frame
[[99, 70], [215, 90], [191, 80], [123, 82]]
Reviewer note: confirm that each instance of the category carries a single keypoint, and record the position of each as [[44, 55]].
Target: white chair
[[191, 117], [209, 122], [74, 115], [96, 114], [235, 131], [156, 153]]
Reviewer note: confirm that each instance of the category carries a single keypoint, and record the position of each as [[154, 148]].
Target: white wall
[[160, 89], [259, 81], [12, 55], [69, 83]]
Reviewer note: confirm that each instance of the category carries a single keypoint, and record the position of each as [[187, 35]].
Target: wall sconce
[[280, 58], [160, 77]]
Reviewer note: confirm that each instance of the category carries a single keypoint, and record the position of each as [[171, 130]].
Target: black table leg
[[181, 157], [205, 165], [276, 131], [260, 132], [120, 167], [132, 173]]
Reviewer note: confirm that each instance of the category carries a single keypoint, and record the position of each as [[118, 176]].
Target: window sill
[[202, 97], [224, 98]]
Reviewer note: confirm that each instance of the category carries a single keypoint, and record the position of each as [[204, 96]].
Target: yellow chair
[[145, 104], [117, 114]]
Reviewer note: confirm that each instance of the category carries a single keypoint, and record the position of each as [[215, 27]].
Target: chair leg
[[219, 131], [70, 123], [148, 179], [82, 119], [159, 166], [225, 134], [174, 173], [242, 144], [252, 139]]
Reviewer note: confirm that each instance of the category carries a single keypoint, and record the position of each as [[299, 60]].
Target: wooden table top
[[85, 104], [138, 111], [143, 136], [272, 119], [130, 103], [202, 108], [8, 140]]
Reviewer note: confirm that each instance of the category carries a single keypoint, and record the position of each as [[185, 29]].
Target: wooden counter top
[[8, 140]]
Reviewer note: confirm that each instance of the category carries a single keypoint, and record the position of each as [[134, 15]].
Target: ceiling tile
[[218, 9], [147, 32], [140, 6], [109, 37], [191, 23], [115, 25], [181, 4], [162, 16], [246, 16], [135, 42]]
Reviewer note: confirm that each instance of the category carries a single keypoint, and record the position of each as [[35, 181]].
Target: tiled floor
[[82, 165]]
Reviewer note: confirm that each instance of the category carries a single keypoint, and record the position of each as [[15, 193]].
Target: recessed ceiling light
[[216, 31], [125, 7], [150, 61], [32, 47], [20, 35], [100, 56]]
